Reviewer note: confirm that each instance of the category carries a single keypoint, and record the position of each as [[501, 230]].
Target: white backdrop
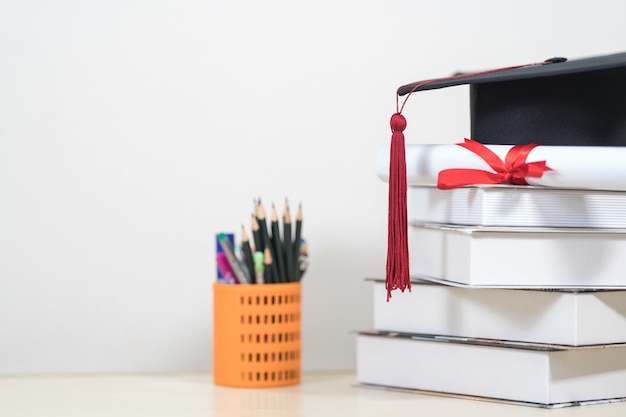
[[132, 131]]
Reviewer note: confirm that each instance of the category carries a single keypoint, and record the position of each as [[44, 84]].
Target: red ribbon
[[513, 170]]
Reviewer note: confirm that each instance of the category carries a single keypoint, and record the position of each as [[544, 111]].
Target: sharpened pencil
[[247, 254], [288, 245], [296, 242], [260, 217], [256, 234], [267, 260], [278, 255]]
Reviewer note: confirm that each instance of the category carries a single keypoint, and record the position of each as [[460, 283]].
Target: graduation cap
[[555, 102], [562, 102]]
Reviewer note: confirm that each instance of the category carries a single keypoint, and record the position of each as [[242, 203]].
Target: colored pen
[[232, 259], [228, 276]]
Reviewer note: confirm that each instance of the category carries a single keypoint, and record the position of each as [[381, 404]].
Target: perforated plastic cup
[[256, 334]]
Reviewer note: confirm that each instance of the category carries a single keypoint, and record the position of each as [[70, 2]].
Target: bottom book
[[532, 373]]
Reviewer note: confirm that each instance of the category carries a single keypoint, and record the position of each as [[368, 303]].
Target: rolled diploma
[[592, 167]]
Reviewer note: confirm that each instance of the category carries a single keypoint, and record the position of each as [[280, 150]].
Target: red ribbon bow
[[513, 170]]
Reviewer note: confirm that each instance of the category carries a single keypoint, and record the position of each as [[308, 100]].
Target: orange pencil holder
[[256, 334]]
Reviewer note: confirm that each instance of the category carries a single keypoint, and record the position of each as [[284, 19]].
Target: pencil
[[256, 234], [259, 213], [247, 253], [278, 255], [288, 245], [260, 216], [267, 259], [296, 242]]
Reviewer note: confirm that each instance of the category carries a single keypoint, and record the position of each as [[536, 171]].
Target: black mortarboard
[[556, 102]]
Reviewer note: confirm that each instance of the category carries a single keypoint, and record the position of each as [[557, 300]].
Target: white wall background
[[132, 131]]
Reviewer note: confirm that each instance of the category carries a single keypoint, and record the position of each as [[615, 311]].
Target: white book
[[518, 257], [564, 317], [536, 374], [503, 205]]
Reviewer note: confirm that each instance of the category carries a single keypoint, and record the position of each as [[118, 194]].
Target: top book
[[502, 205]]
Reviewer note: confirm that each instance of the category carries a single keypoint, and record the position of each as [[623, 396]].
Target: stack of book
[[520, 290], [518, 295]]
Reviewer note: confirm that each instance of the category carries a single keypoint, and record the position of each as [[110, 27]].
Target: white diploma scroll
[[583, 167]]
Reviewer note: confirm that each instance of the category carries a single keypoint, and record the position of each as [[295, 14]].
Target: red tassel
[[397, 244]]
